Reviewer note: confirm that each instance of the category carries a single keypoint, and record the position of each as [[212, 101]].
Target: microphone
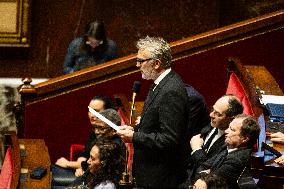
[[84, 165], [126, 177], [135, 89]]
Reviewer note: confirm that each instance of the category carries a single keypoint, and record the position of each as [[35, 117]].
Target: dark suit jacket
[[198, 111], [230, 166], [201, 158], [160, 140]]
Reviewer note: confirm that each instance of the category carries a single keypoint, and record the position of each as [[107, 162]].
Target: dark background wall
[[54, 23]]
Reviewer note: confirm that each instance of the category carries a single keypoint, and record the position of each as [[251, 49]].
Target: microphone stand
[[126, 176]]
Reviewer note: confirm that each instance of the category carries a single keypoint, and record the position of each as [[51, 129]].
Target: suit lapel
[[149, 96], [220, 158], [205, 131], [217, 144], [152, 95]]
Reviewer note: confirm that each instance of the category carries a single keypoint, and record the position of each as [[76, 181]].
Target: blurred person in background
[[91, 49]]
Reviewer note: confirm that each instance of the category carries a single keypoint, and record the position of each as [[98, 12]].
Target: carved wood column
[[26, 90]]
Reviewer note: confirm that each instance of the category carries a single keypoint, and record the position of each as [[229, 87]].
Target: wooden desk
[[28, 154], [270, 174], [255, 79], [36, 155]]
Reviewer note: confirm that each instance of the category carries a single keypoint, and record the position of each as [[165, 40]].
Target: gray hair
[[249, 128], [158, 48], [112, 115]]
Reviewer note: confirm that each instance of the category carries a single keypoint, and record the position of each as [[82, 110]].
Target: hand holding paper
[[126, 133], [101, 117]]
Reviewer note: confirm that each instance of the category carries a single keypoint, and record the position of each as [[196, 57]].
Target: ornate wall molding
[[14, 23]]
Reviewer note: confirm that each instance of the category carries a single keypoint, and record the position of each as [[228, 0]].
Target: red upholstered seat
[[75, 150], [236, 88], [7, 170]]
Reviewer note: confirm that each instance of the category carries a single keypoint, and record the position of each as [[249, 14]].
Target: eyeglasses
[[192, 187], [140, 60], [95, 42]]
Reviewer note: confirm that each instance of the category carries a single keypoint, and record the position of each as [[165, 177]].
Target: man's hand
[[137, 121], [199, 184], [280, 160], [62, 162], [79, 172], [277, 137], [126, 133], [196, 142]]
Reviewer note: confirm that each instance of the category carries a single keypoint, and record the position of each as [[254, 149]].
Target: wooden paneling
[[55, 23]]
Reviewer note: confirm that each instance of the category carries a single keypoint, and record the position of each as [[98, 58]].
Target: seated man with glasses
[[207, 144], [91, 49]]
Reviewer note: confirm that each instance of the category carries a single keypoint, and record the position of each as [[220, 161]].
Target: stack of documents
[[275, 106], [276, 111]]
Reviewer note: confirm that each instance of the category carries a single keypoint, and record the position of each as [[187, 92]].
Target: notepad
[[275, 110], [274, 99]]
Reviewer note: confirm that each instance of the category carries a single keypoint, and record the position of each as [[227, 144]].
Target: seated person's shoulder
[[111, 43], [76, 41]]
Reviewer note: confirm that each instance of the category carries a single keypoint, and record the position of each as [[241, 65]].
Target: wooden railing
[[180, 49]]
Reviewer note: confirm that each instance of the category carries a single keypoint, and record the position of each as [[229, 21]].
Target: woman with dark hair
[[91, 49], [210, 181], [104, 167]]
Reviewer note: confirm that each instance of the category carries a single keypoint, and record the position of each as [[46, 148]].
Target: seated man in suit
[[233, 158], [207, 144]]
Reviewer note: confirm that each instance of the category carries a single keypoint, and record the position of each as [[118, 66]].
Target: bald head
[[224, 110]]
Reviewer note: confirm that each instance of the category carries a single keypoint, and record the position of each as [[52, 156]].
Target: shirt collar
[[220, 132], [231, 149], [161, 77]]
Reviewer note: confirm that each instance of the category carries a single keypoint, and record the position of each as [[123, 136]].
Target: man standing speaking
[[160, 139]]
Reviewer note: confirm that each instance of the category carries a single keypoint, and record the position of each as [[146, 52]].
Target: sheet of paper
[[272, 99], [104, 119]]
